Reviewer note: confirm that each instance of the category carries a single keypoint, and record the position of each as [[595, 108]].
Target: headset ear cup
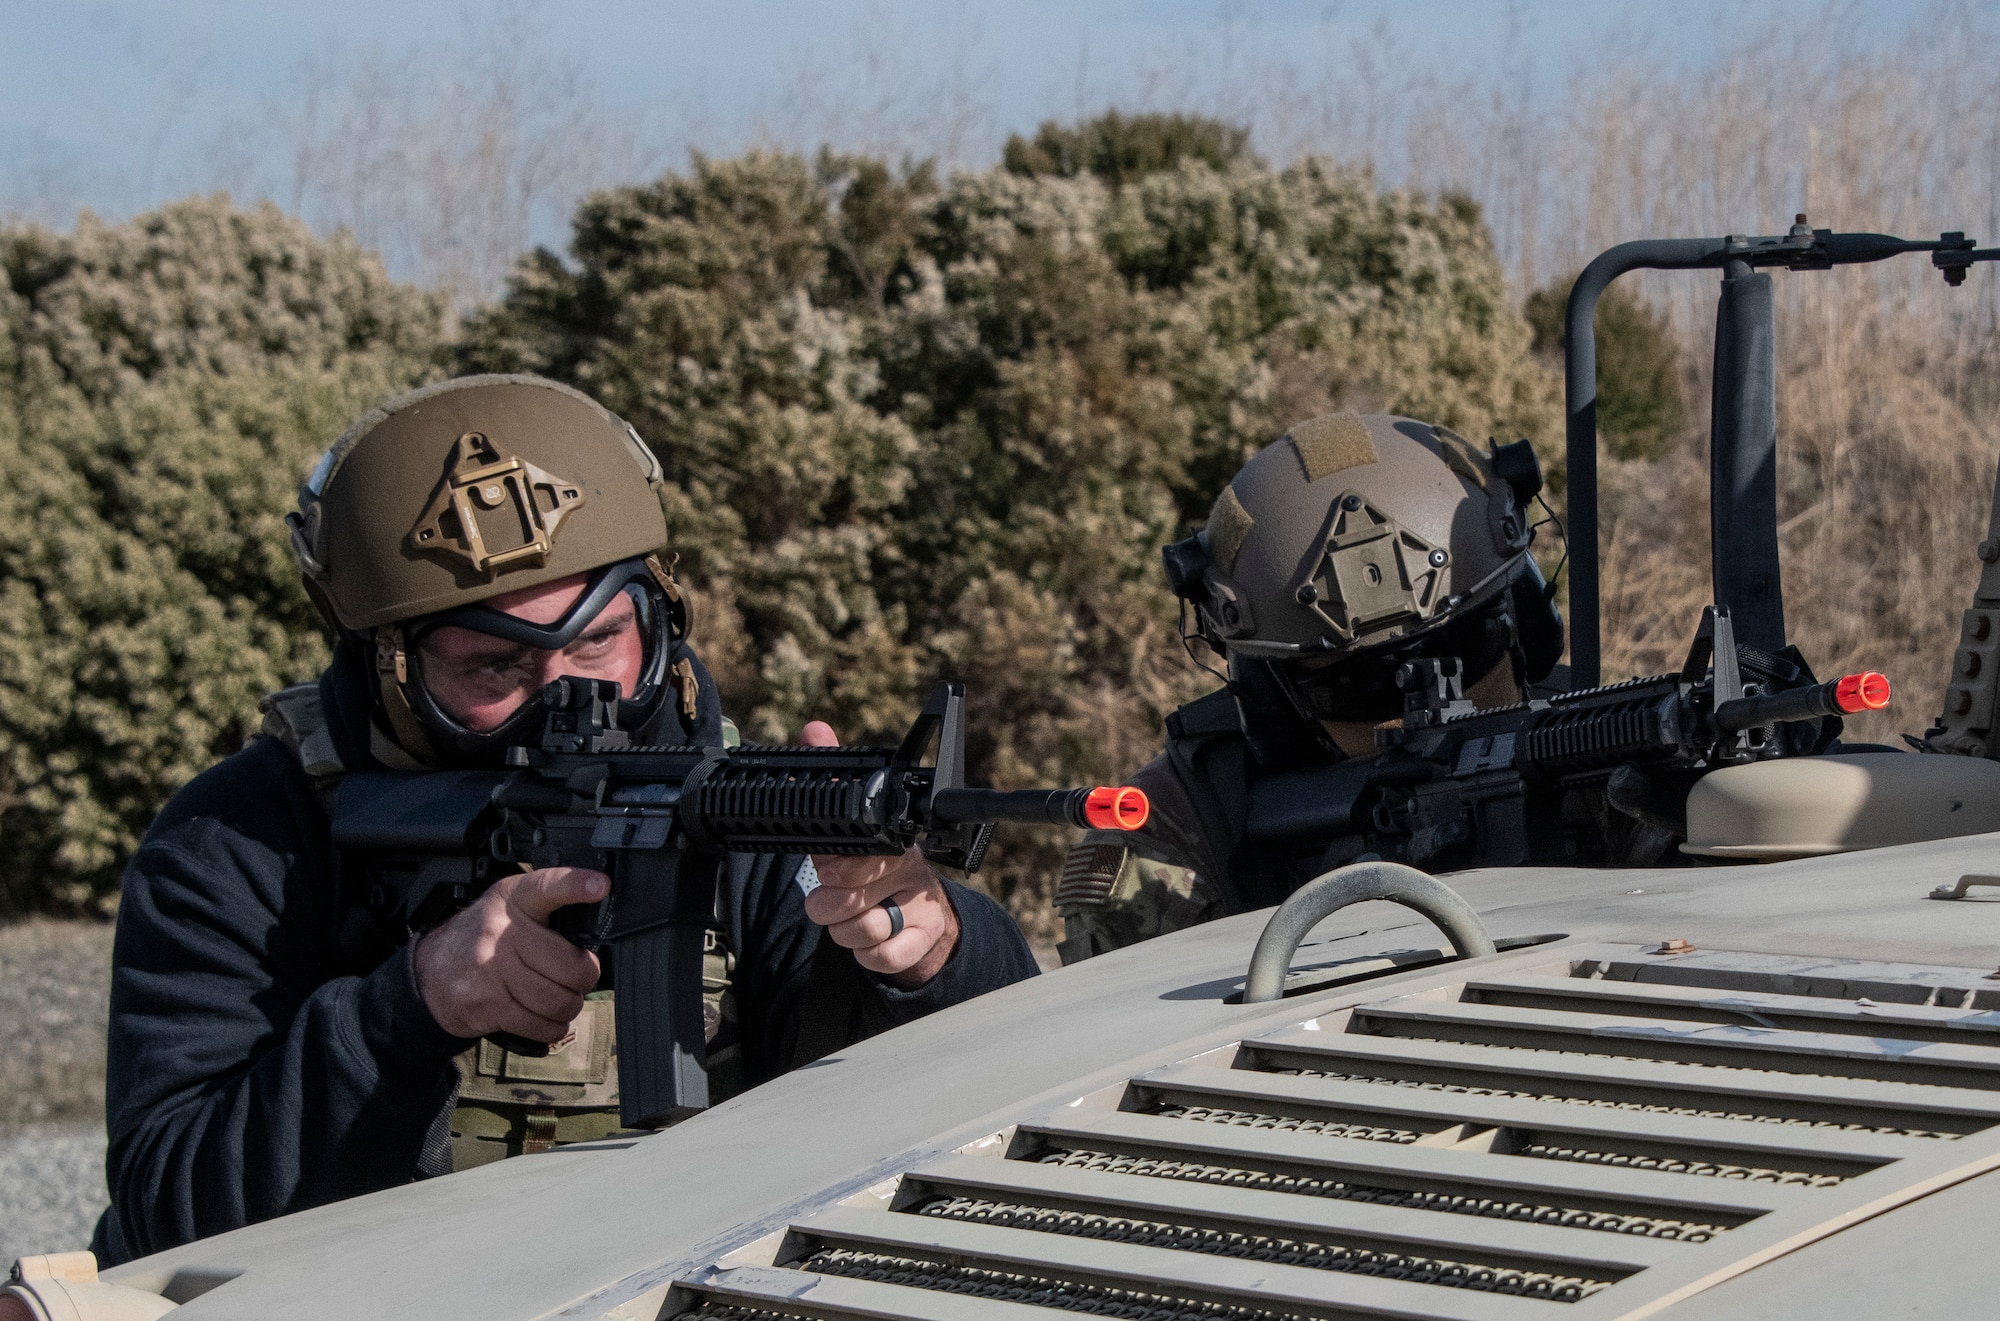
[[1538, 621]]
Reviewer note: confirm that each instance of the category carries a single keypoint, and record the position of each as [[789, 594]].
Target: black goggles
[[603, 588], [1362, 687], [662, 621]]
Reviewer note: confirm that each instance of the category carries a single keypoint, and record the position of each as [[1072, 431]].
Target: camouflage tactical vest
[[1191, 862], [508, 1104], [1119, 888]]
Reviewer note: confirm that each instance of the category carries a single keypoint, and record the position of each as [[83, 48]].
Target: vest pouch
[[513, 1105], [579, 1070]]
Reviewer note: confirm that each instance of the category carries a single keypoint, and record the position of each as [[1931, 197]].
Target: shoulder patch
[[1228, 524], [1088, 872], [1331, 444]]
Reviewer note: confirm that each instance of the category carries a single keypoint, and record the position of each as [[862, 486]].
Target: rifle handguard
[[1848, 695], [1102, 808]]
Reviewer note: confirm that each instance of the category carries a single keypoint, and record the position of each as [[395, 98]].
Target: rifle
[[1594, 777], [660, 821]]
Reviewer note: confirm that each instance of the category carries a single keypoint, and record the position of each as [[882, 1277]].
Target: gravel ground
[[51, 1188], [54, 980], [55, 983]]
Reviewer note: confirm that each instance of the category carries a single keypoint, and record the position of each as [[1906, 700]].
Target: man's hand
[[848, 903], [496, 967]]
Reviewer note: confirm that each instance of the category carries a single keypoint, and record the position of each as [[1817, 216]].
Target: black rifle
[[1599, 776], [659, 822]]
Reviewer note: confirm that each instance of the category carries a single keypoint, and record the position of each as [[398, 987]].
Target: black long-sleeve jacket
[[269, 1051]]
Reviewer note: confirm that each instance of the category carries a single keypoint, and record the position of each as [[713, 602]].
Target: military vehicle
[[1765, 1083]]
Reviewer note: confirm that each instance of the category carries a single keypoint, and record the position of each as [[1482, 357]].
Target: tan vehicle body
[[1766, 1124]]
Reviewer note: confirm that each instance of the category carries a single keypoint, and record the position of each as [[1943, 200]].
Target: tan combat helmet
[[470, 488], [1371, 537], [438, 500]]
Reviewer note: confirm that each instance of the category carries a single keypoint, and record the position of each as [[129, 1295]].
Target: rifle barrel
[[1103, 808], [1848, 695]]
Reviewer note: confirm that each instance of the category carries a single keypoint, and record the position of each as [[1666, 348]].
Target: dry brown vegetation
[[1888, 406], [1888, 414]]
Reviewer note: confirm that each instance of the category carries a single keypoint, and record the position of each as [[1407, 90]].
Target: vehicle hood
[[1758, 1122]]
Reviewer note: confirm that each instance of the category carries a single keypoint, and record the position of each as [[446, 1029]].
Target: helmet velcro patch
[[1228, 524], [1332, 443]]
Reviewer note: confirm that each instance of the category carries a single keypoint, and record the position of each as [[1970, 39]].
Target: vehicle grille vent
[[1609, 1103], [1707, 1169], [1333, 1128], [1034, 1290], [712, 1310], [1264, 1247], [1583, 1137], [1496, 1208]]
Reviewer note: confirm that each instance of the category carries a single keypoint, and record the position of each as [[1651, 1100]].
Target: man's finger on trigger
[[553, 956], [544, 998], [541, 893], [528, 1021]]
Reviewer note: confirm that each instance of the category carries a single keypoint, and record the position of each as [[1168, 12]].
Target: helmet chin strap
[[392, 674]]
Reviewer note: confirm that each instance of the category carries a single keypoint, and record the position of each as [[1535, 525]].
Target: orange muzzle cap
[[1855, 693], [1117, 809]]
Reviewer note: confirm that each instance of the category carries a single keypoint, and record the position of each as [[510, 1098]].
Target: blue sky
[[377, 115], [116, 104]]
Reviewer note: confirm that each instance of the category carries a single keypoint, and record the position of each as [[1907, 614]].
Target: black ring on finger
[[895, 918]]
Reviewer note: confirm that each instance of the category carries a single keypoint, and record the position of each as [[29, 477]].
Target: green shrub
[[921, 429], [164, 384], [1119, 148], [1641, 398]]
